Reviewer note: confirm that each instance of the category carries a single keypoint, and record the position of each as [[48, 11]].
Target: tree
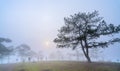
[[40, 56], [10, 52], [4, 51], [31, 55], [84, 30], [23, 51]]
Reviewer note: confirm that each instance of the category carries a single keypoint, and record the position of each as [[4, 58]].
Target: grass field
[[61, 66]]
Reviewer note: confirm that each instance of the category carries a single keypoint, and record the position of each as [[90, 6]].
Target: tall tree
[[4, 51], [10, 53], [83, 30]]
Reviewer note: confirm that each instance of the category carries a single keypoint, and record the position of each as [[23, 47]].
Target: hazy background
[[35, 22]]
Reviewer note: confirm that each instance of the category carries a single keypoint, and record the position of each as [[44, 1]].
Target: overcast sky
[[35, 22]]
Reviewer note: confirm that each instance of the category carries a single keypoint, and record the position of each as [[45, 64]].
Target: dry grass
[[62, 66]]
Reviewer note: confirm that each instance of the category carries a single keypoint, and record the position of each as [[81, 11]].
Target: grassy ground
[[61, 66]]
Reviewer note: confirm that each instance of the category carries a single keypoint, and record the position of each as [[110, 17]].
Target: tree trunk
[[86, 53], [88, 59], [87, 56]]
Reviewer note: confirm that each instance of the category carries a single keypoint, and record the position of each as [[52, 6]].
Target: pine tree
[[83, 30]]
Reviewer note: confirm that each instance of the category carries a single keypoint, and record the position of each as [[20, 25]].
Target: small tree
[[83, 30], [23, 51], [40, 56], [31, 55]]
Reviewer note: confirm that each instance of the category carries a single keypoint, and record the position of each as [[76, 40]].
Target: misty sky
[[35, 22]]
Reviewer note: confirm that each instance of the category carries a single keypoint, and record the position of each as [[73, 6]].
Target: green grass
[[66, 66]]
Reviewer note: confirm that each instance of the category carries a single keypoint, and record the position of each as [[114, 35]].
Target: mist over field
[[55, 34]]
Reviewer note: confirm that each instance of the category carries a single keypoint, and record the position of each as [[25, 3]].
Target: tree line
[[24, 53]]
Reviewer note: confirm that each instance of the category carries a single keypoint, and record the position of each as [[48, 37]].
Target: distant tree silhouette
[[40, 56], [11, 52], [83, 30], [4, 51], [53, 56], [29, 59], [23, 51], [31, 54]]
